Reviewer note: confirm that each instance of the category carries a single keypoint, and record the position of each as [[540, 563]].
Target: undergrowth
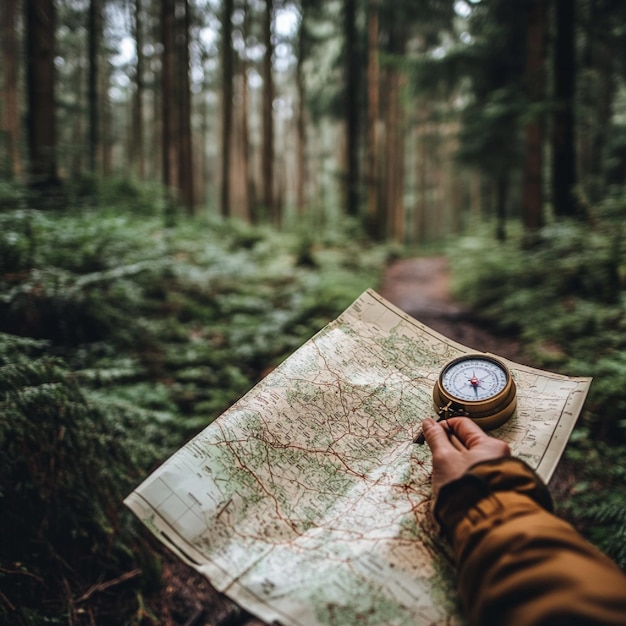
[[66, 463], [119, 339], [564, 297]]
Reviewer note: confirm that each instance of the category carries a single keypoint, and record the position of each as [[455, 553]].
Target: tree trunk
[[395, 158], [10, 107], [373, 108], [245, 128], [351, 103], [268, 115], [452, 180], [476, 195], [601, 54], [563, 129], [168, 142], [75, 161], [93, 40], [41, 126], [394, 145], [300, 120], [502, 197], [184, 143], [137, 148], [155, 138], [421, 201], [532, 192], [227, 104], [108, 122]]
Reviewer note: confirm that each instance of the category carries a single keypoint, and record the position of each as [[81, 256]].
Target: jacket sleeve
[[518, 564]]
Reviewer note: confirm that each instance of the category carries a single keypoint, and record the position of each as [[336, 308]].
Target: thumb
[[436, 437]]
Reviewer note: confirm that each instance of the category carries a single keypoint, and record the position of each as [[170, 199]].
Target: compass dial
[[474, 379]]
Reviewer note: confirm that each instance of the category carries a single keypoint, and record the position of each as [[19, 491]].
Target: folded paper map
[[308, 504]]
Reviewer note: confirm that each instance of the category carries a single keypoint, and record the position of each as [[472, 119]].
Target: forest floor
[[421, 288]]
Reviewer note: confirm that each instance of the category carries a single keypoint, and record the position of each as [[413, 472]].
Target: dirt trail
[[421, 288]]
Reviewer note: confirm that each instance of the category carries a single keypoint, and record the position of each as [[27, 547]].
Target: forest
[[190, 189]]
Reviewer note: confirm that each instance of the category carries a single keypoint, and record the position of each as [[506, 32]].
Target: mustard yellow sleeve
[[518, 564]]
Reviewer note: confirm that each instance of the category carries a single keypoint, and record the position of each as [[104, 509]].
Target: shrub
[[64, 469]]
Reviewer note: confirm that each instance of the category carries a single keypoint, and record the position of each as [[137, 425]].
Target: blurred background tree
[[404, 109], [412, 117]]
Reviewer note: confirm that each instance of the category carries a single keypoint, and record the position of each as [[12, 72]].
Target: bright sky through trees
[[285, 26]]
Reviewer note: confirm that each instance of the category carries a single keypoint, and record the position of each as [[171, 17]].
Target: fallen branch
[[109, 583], [18, 572]]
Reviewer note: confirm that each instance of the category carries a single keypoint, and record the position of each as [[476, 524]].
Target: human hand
[[457, 444]]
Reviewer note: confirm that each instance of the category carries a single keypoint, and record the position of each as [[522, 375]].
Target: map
[[307, 502]]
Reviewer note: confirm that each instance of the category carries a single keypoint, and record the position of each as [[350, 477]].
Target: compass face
[[474, 379]]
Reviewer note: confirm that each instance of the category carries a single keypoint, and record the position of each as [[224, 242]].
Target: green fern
[[64, 470], [607, 521]]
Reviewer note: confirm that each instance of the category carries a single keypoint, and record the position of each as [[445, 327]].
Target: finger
[[435, 435], [467, 431], [456, 442]]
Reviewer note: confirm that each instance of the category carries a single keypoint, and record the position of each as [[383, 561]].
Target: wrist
[[483, 479]]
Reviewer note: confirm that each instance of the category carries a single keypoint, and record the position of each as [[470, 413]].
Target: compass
[[477, 386]]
